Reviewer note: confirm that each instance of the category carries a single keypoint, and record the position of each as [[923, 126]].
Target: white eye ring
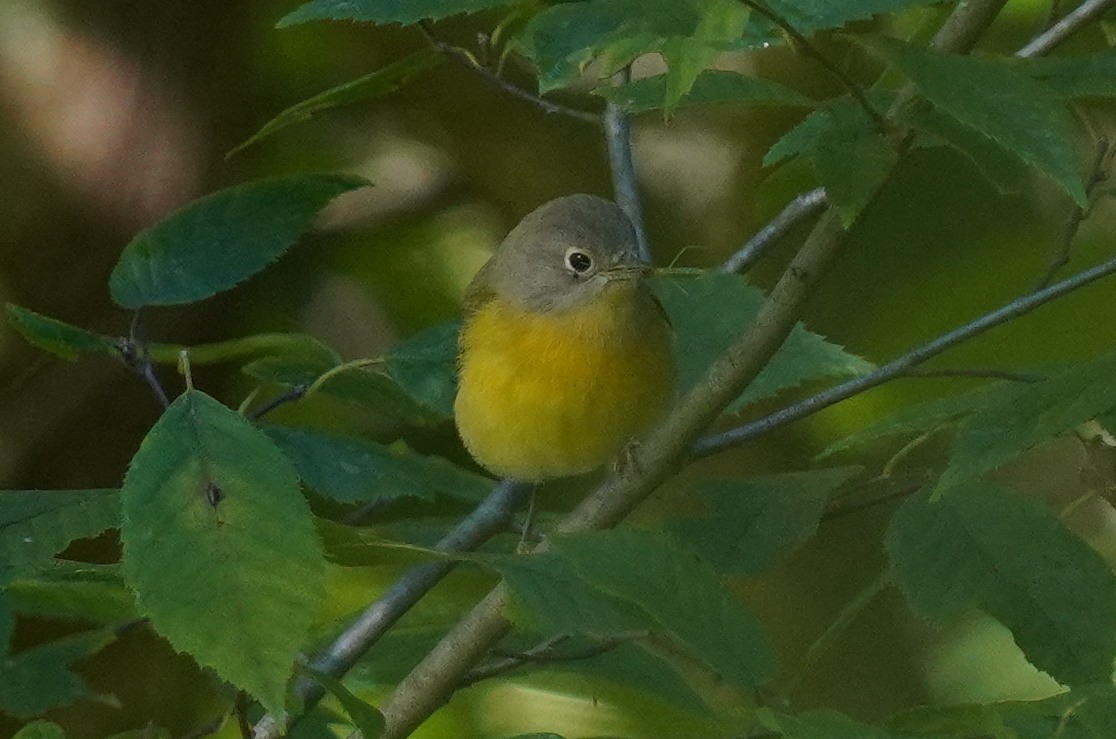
[[578, 261]]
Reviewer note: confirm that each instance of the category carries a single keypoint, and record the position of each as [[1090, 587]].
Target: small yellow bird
[[565, 353]]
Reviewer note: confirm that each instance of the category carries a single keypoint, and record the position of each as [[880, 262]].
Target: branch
[[1081, 16], [467, 60], [135, 354], [434, 679], [491, 517], [796, 211], [618, 133], [901, 366]]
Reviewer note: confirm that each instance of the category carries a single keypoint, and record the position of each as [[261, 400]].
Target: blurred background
[[114, 113]]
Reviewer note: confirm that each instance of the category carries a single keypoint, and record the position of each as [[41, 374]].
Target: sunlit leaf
[[709, 311], [996, 98], [353, 470], [35, 525], [713, 86], [220, 547], [216, 242], [752, 522], [1010, 556], [386, 11], [40, 730], [38, 679], [370, 86], [58, 338]]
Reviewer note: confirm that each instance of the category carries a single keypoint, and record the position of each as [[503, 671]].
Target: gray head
[[562, 255]]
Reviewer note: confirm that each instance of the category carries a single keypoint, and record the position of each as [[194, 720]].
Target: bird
[[564, 356]]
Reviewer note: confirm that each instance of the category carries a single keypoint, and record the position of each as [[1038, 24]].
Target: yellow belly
[[549, 395]]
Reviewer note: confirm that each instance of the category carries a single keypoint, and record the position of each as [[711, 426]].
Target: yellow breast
[[545, 395]]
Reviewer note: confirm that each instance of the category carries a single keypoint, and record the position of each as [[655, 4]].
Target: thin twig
[[665, 448], [1076, 19], [490, 517], [618, 134], [466, 60], [795, 212], [545, 653], [900, 366], [1098, 173], [295, 393], [811, 51], [136, 356]]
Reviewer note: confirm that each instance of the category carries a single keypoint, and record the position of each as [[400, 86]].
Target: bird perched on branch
[[565, 353]]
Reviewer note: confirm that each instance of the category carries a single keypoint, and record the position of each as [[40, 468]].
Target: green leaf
[[7, 624], [361, 387], [709, 311], [712, 87], [76, 591], [1010, 556], [828, 724], [58, 338], [386, 11], [40, 730], [996, 98], [425, 366], [353, 470], [852, 159], [38, 679], [926, 417], [374, 85], [799, 139], [365, 718], [246, 347], [700, 613], [808, 16], [1004, 170], [1091, 76], [753, 522], [565, 37], [1027, 415], [220, 547], [216, 242], [35, 525]]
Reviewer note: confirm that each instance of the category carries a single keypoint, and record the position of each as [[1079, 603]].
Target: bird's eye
[[579, 261]]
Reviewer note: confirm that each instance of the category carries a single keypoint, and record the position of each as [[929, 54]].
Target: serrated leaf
[[425, 366], [996, 98], [1092, 76], [925, 417], [35, 525], [220, 547], [1010, 556], [58, 338], [712, 87], [77, 591], [852, 159], [1029, 414], [365, 717], [638, 567], [40, 730], [709, 311], [800, 138], [564, 38], [38, 679], [1005, 171], [753, 522], [349, 469], [218, 241], [374, 85], [404, 12]]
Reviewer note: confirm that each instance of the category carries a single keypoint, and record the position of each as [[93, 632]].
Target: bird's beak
[[629, 267]]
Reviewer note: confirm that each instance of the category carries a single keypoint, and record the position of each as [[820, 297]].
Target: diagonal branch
[[1081, 16], [433, 681], [796, 211]]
